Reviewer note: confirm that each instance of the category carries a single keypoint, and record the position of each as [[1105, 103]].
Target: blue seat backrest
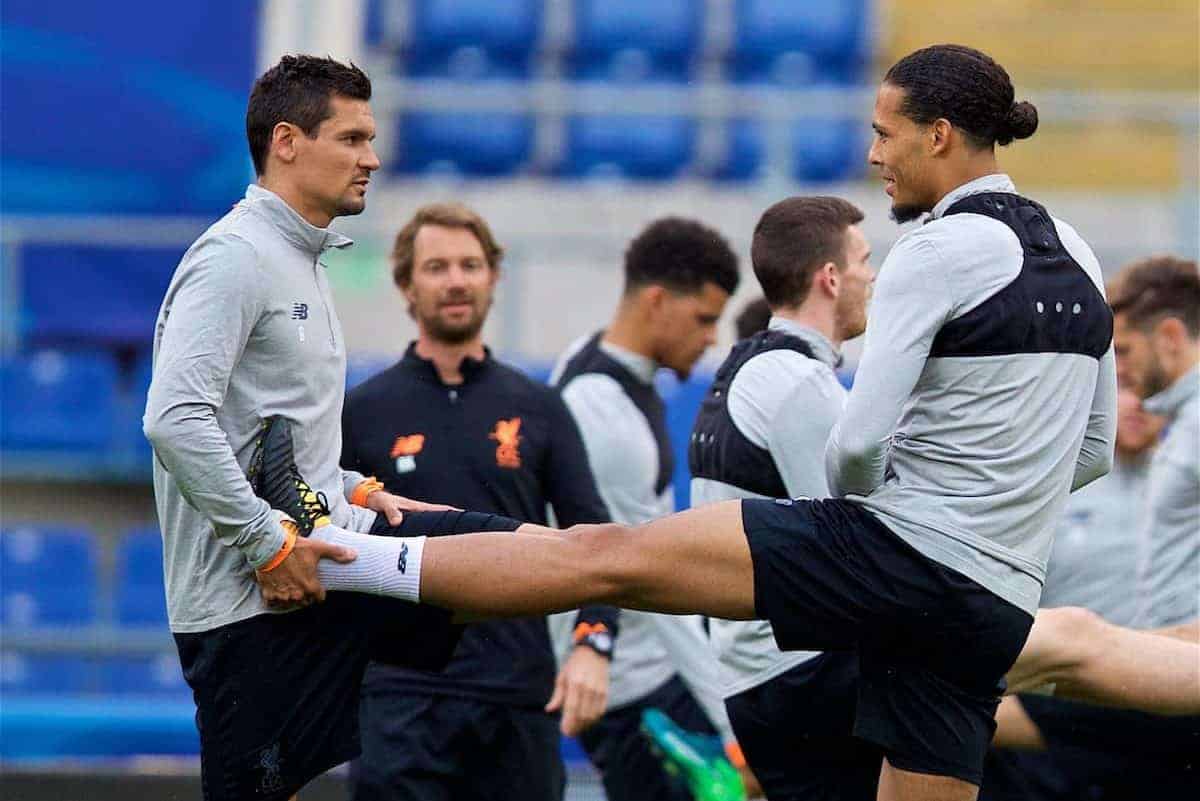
[[58, 399], [38, 673], [637, 40], [800, 43], [471, 39], [140, 597], [93, 294], [47, 576], [647, 147], [485, 144], [151, 674]]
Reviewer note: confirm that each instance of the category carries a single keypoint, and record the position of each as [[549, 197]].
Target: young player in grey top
[[678, 276]]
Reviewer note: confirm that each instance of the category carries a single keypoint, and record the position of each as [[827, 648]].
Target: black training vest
[[1052, 306], [717, 450], [591, 358]]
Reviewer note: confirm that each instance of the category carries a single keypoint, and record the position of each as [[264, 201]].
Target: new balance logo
[[402, 562], [299, 311]]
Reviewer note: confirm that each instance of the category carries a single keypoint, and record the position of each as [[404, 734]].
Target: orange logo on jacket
[[508, 434], [408, 446]]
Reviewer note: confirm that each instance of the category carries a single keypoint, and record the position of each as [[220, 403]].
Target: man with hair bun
[[985, 395]]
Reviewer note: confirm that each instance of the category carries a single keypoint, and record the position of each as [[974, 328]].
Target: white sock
[[388, 566]]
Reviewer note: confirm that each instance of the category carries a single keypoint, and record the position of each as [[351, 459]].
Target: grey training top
[[764, 399], [1169, 560], [247, 330], [623, 454], [970, 459], [1094, 560]]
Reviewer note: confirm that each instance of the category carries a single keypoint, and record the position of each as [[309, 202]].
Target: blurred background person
[[679, 275], [450, 421]]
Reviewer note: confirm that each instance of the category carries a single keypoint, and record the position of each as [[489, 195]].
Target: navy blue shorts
[[277, 694], [796, 733], [933, 645]]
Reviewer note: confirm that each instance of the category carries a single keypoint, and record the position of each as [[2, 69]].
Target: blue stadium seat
[[155, 674], [58, 400], [88, 294], [32, 673], [628, 146], [820, 151], [801, 43], [625, 40], [473, 39], [472, 144], [47, 576], [140, 597]]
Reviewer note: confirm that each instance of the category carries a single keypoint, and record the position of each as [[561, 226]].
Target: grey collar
[[294, 228], [996, 182], [643, 367], [822, 348]]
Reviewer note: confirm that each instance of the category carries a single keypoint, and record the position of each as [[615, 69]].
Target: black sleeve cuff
[[607, 616]]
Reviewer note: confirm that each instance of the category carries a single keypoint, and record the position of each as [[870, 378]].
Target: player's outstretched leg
[[1090, 659], [696, 561]]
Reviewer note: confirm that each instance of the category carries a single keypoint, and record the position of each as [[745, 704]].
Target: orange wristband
[[734, 752], [289, 543], [584, 629], [364, 489]]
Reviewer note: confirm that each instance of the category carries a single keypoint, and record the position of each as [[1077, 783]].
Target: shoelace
[[314, 504]]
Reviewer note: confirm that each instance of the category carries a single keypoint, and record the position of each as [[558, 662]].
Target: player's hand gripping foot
[[697, 758], [274, 477]]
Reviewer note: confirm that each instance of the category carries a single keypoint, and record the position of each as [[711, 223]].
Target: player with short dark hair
[[247, 334], [678, 276], [792, 711]]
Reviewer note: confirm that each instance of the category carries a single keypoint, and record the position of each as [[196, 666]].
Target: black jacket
[[499, 442]]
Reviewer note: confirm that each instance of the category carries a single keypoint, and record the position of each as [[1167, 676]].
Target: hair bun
[[1019, 123]]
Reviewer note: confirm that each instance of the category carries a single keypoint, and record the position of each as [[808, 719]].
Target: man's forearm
[[196, 452]]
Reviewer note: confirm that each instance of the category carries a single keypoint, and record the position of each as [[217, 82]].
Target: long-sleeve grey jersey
[[1169, 543], [247, 330], [969, 455], [624, 456], [764, 402], [1094, 561]]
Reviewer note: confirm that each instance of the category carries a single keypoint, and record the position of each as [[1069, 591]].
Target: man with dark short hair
[[452, 423], [247, 335], [792, 711], [679, 274]]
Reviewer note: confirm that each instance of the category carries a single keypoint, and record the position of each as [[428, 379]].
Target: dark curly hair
[[682, 255], [966, 87], [297, 90]]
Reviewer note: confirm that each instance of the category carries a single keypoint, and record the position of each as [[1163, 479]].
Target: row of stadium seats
[[771, 41], [50, 577], [651, 147], [51, 582], [81, 404], [620, 44]]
